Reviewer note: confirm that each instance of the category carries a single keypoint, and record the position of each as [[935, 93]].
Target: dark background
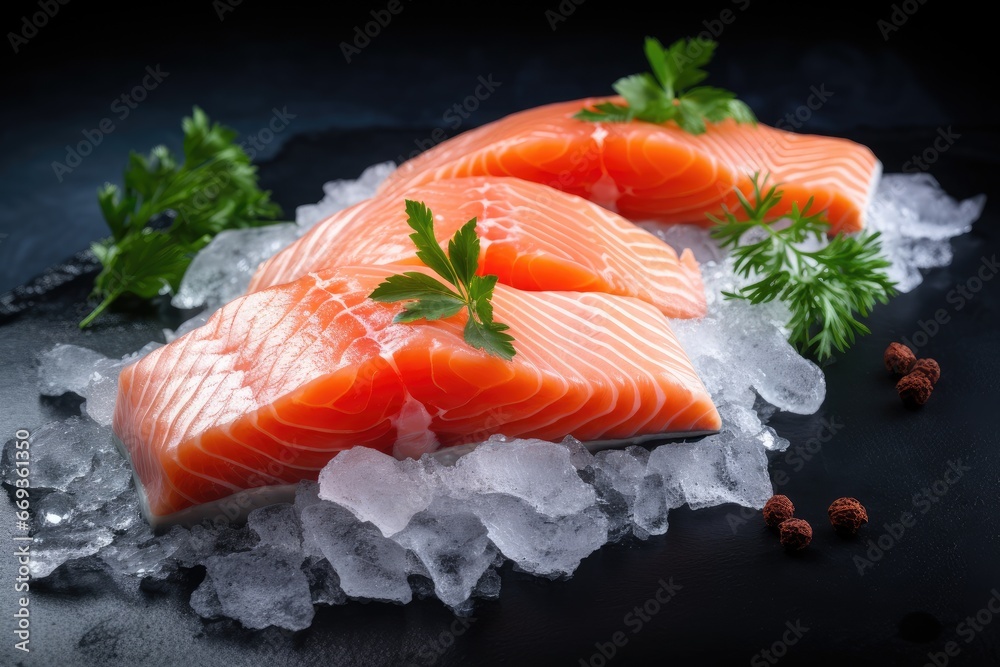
[[739, 590], [938, 68]]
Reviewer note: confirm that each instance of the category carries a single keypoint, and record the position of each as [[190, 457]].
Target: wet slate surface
[[736, 591]]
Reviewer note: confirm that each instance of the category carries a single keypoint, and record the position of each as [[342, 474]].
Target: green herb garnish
[[667, 94], [823, 288], [167, 211], [430, 299]]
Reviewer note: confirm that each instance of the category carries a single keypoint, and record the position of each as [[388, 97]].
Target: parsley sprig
[[670, 93], [168, 210], [430, 299], [822, 288]]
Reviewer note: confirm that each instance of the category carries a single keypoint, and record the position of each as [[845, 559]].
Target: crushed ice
[[375, 528]]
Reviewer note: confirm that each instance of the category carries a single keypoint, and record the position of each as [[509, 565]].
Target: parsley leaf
[[670, 92], [167, 211], [430, 299], [824, 289]]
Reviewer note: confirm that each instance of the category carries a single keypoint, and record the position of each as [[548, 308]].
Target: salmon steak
[[533, 237], [658, 172], [279, 381]]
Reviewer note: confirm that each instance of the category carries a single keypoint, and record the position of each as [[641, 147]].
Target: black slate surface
[[735, 588], [736, 591]]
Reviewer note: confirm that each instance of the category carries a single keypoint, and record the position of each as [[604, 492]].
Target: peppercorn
[[847, 515], [898, 359], [914, 389], [777, 509], [796, 534], [929, 368]]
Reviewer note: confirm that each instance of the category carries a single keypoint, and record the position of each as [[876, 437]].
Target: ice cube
[[739, 344], [197, 544], [108, 479], [277, 526], [306, 495], [102, 390], [58, 454], [205, 601], [535, 542], [579, 456], [538, 472], [140, 553], [52, 546], [623, 469], [323, 581], [717, 469], [68, 368], [617, 475], [488, 586], [54, 509], [376, 487], [369, 565], [917, 220], [343, 193], [653, 502], [453, 546], [683, 237], [223, 269], [259, 588]]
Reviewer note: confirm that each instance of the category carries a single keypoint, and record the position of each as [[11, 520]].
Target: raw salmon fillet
[[277, 382], [533, 237], [656, 172]]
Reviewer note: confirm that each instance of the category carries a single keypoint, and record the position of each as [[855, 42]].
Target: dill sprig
[[826, 290]]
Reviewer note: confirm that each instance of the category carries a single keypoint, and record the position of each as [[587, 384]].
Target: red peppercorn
[[929, 368], [796, 534], [847, 515], [914, 389], [898, 359], [777, 509]]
